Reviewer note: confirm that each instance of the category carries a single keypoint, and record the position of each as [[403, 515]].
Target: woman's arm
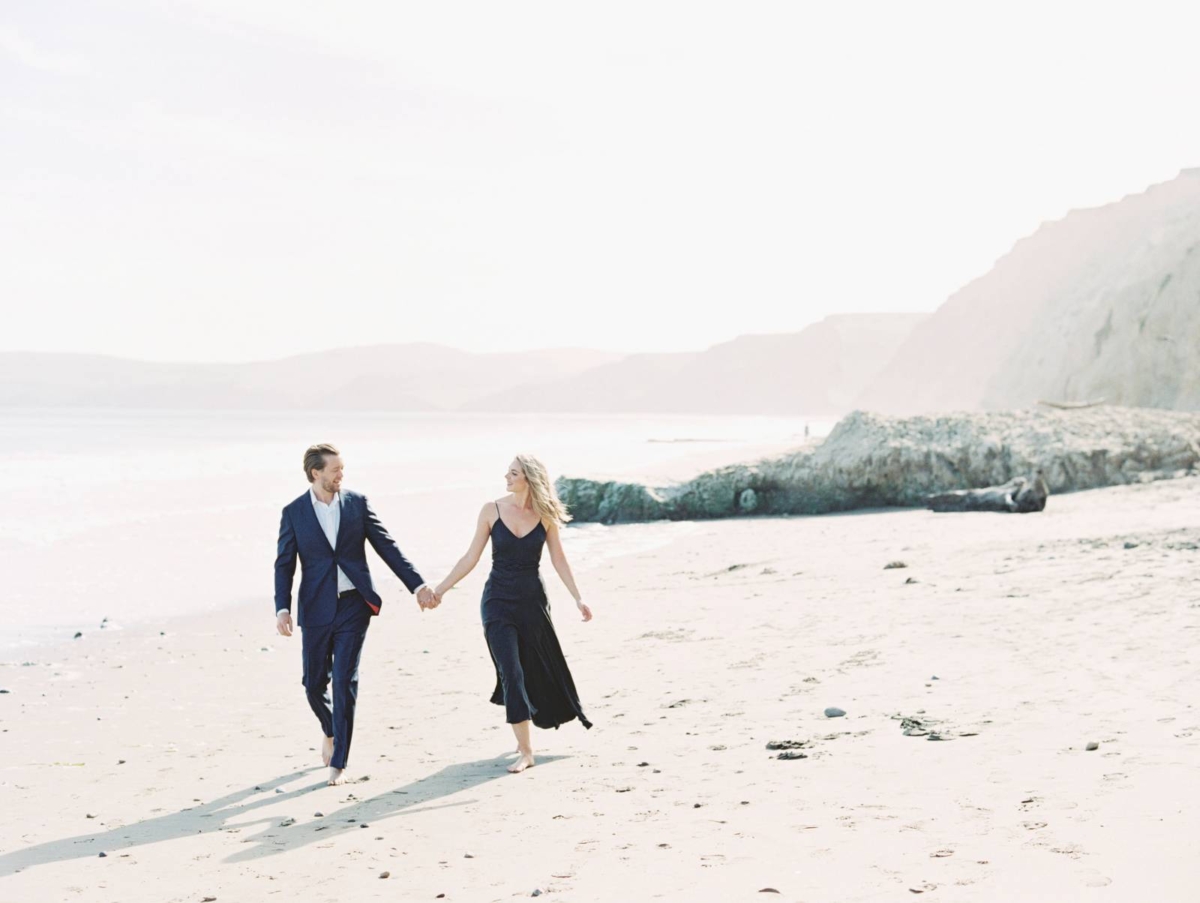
[[559, 559], [466, 564]]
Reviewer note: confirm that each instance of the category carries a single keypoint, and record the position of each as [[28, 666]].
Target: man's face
[[330, 479]]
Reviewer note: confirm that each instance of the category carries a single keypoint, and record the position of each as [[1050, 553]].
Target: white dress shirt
[[330, 518]]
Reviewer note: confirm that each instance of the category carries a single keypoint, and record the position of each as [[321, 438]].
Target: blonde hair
[[546, 503]]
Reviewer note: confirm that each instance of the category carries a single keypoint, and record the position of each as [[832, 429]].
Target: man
[[328, 529]]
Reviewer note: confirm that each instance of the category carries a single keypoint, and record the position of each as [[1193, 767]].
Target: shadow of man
[[224, 814], [402, 801]]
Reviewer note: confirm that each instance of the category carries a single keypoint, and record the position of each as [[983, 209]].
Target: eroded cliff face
[[1104, 303], [872, 460]]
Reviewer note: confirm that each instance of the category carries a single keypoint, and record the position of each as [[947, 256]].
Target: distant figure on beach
[[533, 682], [328, 529]]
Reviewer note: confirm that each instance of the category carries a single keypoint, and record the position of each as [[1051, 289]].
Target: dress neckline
[[500, 519]]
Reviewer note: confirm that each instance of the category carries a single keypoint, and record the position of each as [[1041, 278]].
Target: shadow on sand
[[228, 814]]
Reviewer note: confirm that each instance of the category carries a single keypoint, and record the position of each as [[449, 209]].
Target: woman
[[532, 679]]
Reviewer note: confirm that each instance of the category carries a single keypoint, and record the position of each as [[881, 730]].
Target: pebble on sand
[[385, 874], [892, 565], [834, 712], [1092, 746], [102, 856], [78, 634], [287, 822]]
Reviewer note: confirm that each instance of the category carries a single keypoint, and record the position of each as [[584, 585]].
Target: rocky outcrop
[[871, 460], [1100, 304]]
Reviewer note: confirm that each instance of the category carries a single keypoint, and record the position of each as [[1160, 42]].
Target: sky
[[223, 180]]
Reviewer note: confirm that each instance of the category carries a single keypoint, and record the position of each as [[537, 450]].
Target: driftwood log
[[1020, 495], [1072, 405]]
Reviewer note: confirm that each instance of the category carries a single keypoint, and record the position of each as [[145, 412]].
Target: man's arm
[[285, 565], [385, 547]]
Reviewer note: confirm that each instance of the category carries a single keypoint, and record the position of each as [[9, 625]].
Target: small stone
[[834, 712], [792, 754], [1130, 544], [536, 893], [468, 856], [89, 815], [768, 890], [1093, 746], [643, 764], [892, 565], [385, 874], [78, 634], [4, 692], [364, 825], [318, 815], [911, 580], [287, 822], [209, 900], [102, 856], [120, 761], [786, 744], [279, 790]]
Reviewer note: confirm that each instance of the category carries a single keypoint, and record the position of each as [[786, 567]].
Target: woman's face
[[514, 480]]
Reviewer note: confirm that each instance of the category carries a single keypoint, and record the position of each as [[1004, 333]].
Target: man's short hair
[[314, 458]]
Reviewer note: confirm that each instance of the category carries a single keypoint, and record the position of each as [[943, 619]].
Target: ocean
[[126, 515]]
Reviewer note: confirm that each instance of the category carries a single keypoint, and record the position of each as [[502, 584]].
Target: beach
[[183, 750]]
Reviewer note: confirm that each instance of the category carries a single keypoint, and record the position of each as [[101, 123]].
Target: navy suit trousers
[[332, 651]]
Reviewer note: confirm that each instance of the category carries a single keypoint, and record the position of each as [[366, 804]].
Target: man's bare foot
[[525, 760], [336, 776], [327, 750]]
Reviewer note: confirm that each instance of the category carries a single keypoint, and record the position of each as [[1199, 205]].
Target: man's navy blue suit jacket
[[300, 534]]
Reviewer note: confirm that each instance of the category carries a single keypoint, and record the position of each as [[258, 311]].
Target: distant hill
[[819, 370], [416, 377], [1104, 303]]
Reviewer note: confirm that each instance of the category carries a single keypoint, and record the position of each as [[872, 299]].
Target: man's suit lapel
[[309, 516]]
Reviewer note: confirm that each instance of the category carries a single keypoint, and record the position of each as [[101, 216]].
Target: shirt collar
[[337, 497]]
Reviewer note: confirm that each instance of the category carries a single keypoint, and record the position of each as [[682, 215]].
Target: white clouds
[[16, 46], [639, 176]]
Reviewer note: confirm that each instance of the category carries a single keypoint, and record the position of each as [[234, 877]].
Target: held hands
[[426, 598], [283, 623]]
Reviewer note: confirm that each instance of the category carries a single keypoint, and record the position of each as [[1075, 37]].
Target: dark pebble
[[1093, 746], [834, 712], [892, 565], [78, 634], [696, 806], [792, 754], [385, 874], [318, 815], [103, 856]]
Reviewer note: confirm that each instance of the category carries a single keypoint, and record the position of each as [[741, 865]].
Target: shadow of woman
[[402, 801], [225, 813]]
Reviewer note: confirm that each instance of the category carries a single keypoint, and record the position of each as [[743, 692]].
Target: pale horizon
[[220, 182]]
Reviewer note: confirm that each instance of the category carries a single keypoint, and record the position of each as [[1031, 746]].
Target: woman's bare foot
[[525, 760], [327, 750], [336, 776]]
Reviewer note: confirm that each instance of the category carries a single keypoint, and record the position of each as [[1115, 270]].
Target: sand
[[184, 749]]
